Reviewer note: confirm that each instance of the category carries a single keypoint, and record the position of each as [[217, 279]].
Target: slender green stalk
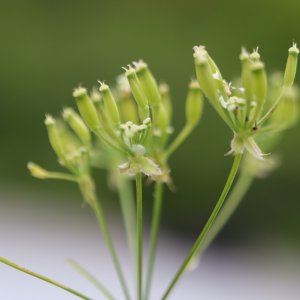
[[91, 278], [272, 109], [228, 184], [63, 176], [101, 136], [101, 220], [155, 111], [126, 197], [154, 233], [184, 133], [13, 265], [238, 192], [139, 233]]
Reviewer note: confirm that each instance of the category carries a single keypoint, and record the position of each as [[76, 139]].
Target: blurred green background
[[48, 47]]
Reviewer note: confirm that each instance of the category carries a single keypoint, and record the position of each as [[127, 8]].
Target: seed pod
[[166, 100], [86, 108], [255, 55], [110, 104], [194, 104], [37, 171], [77, 124], [54, 136], [148, 82], [162, 120], [129, 110], [246, 75], [136, 88], [291, 66], [205, 77], [259, 82]]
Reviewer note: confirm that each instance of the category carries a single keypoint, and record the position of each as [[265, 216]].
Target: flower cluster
[[242, 108]]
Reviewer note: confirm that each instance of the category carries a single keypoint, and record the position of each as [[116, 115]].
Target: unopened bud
[[255, 55], [291, 66], [77, 124], [259, 81], [148, 83], [137, 90], [129, 110], [162, 120], [205, 78], [194, 103], [37, 171], [86, 108], [166, 100], [110, 103], [54, 136], [246, 74]]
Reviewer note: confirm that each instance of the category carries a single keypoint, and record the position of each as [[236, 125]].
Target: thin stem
[[101, 136], [13, 265], [228, 184], [91, 278], [58, 175], [154, 233], [103, 226], [155, 111], [139, 232], [237, 194], [272, 109], [127, 202], [184, 133]]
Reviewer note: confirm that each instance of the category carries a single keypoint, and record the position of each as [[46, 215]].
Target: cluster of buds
[[243, 108], [134, 118]]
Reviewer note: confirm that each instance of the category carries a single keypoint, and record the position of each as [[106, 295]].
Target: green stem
[[101, 220], [139, 232], [126, 197], [184, 133], [238, 192], [13, 265], [155, 111], [91, 278], [272, 109], [228, 184], [58, 175], [154, 233], [101, 136]]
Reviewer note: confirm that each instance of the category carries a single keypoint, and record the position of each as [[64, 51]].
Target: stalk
[[129, 215], [184, 133], [91, 278], [13, 265], [212, 217], [101, 220], [139, 232], [154, 233], [238, 192]]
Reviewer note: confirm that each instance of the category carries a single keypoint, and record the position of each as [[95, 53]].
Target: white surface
[[42, 237]]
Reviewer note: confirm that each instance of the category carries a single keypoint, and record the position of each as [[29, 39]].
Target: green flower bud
[[136, 89], [148, 82], [95, 96], [129, 110], [259, 81], [54, 136], [110, 103], [37, 171], [205, 77], [246, 74], [86, 107], [291, 66], [162, 120], [255, 55], [77, 124], [166, 100], [194, 104]]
